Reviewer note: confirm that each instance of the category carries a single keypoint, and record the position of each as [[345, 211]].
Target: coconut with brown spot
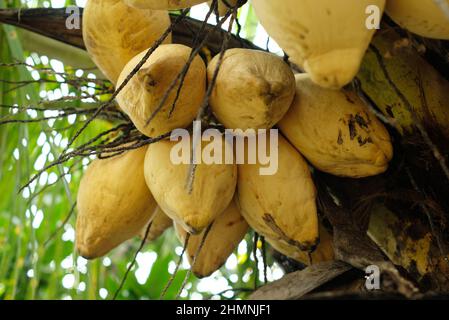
[[336, 132], [279, 205], [142, 96], [323, 252]]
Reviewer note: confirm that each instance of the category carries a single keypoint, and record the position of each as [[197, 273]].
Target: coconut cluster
[[324, 126]]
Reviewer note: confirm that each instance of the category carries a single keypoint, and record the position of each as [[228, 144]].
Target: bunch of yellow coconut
[[323, 126]]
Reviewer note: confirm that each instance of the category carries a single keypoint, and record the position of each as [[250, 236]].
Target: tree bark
[[297, 284], [51, 23]]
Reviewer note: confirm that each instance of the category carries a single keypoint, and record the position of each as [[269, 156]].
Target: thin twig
[[133, 262], [58, 179], [256, 260], [192, 167], [197, 253], [182, 73], [128, 78], [264, 259], [67, 218], [175, 272]]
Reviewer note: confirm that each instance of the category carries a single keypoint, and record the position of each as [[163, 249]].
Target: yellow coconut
[[254, 89], [114, 203], [114, 33], [336, 132], [212, 190], [142, 96], [322, 253], [223, 238], [280, 205], [327, 38], [423, 17], [159, 223]]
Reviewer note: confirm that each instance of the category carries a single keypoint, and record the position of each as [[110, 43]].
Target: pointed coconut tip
[[334, 69]]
